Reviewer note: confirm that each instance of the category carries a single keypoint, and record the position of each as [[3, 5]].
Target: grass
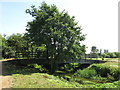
[[43, 80], [112, 64], [105, 59], [39, 80], [26, 77]]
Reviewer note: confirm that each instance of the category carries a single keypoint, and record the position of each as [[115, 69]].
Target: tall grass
[[106, 70], [100, 71]]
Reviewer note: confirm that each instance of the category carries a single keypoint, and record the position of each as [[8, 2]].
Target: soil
[[5, 82], [5, 79]]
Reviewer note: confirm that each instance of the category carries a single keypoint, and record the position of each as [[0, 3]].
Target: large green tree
[[56, 31]]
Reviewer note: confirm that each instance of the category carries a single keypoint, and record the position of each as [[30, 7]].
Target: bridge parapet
[[48, 61]]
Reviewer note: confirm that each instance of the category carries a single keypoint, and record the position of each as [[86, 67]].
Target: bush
[[40, 67], [100, 72], [106, 71], [100, 69], [86, 73]]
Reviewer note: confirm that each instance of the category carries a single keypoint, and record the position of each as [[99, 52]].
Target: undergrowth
[[28, 77], [100, 72]]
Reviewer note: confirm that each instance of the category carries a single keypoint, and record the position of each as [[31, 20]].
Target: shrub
[[86, 73], [99, 78], [106, 71], [100, 72], [100, 69], [40, 67]]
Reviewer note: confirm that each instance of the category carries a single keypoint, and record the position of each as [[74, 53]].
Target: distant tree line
[[97, 53], [19, 43], [111, 55]]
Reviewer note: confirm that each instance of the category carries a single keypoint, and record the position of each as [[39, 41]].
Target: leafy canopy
[[55, 30]]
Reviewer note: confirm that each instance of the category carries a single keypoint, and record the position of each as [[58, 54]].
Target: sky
[[98, 19]]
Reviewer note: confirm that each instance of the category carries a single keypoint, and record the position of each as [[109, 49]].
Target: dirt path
[[5, 80]]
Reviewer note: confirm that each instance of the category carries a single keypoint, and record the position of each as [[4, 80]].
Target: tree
[[56, 31], [117, 54], [19, 44], [94, 52], [93, 49], [0, 46], [6, 53], [12, 44], [106, 51]]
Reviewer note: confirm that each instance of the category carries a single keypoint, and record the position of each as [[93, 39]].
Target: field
[[28, 77], [105, 59]]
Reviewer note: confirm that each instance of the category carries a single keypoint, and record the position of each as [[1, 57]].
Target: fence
[[29, 55]]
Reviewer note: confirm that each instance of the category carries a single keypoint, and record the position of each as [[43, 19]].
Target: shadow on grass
[[9, 68], [14, 67]]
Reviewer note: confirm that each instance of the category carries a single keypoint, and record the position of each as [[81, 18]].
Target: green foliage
[[104, 86], [4, 46], [111, 55], [12, 44], [106, 71], [93, 49], [7, 51], [94, 52], [24, 77], [58, 31], [98, 79], [99, 73], [86, 73], [0, 46], [40, 67], [16, 41], [40, 80], [69, 67], [41, 48], [19, 43], [67, 77], [59, 72]]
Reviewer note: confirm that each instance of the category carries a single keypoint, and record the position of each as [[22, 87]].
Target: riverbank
[[30, 77]]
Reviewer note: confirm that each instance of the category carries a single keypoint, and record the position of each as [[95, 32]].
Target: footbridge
[[48, 61]]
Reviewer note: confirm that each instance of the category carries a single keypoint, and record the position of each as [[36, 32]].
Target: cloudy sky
[[98, 19]]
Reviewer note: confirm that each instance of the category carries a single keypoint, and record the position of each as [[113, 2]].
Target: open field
[[106, 59]]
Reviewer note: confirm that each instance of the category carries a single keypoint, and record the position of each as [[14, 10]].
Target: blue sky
[[14, 19], [13, 16], [98, 19]]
